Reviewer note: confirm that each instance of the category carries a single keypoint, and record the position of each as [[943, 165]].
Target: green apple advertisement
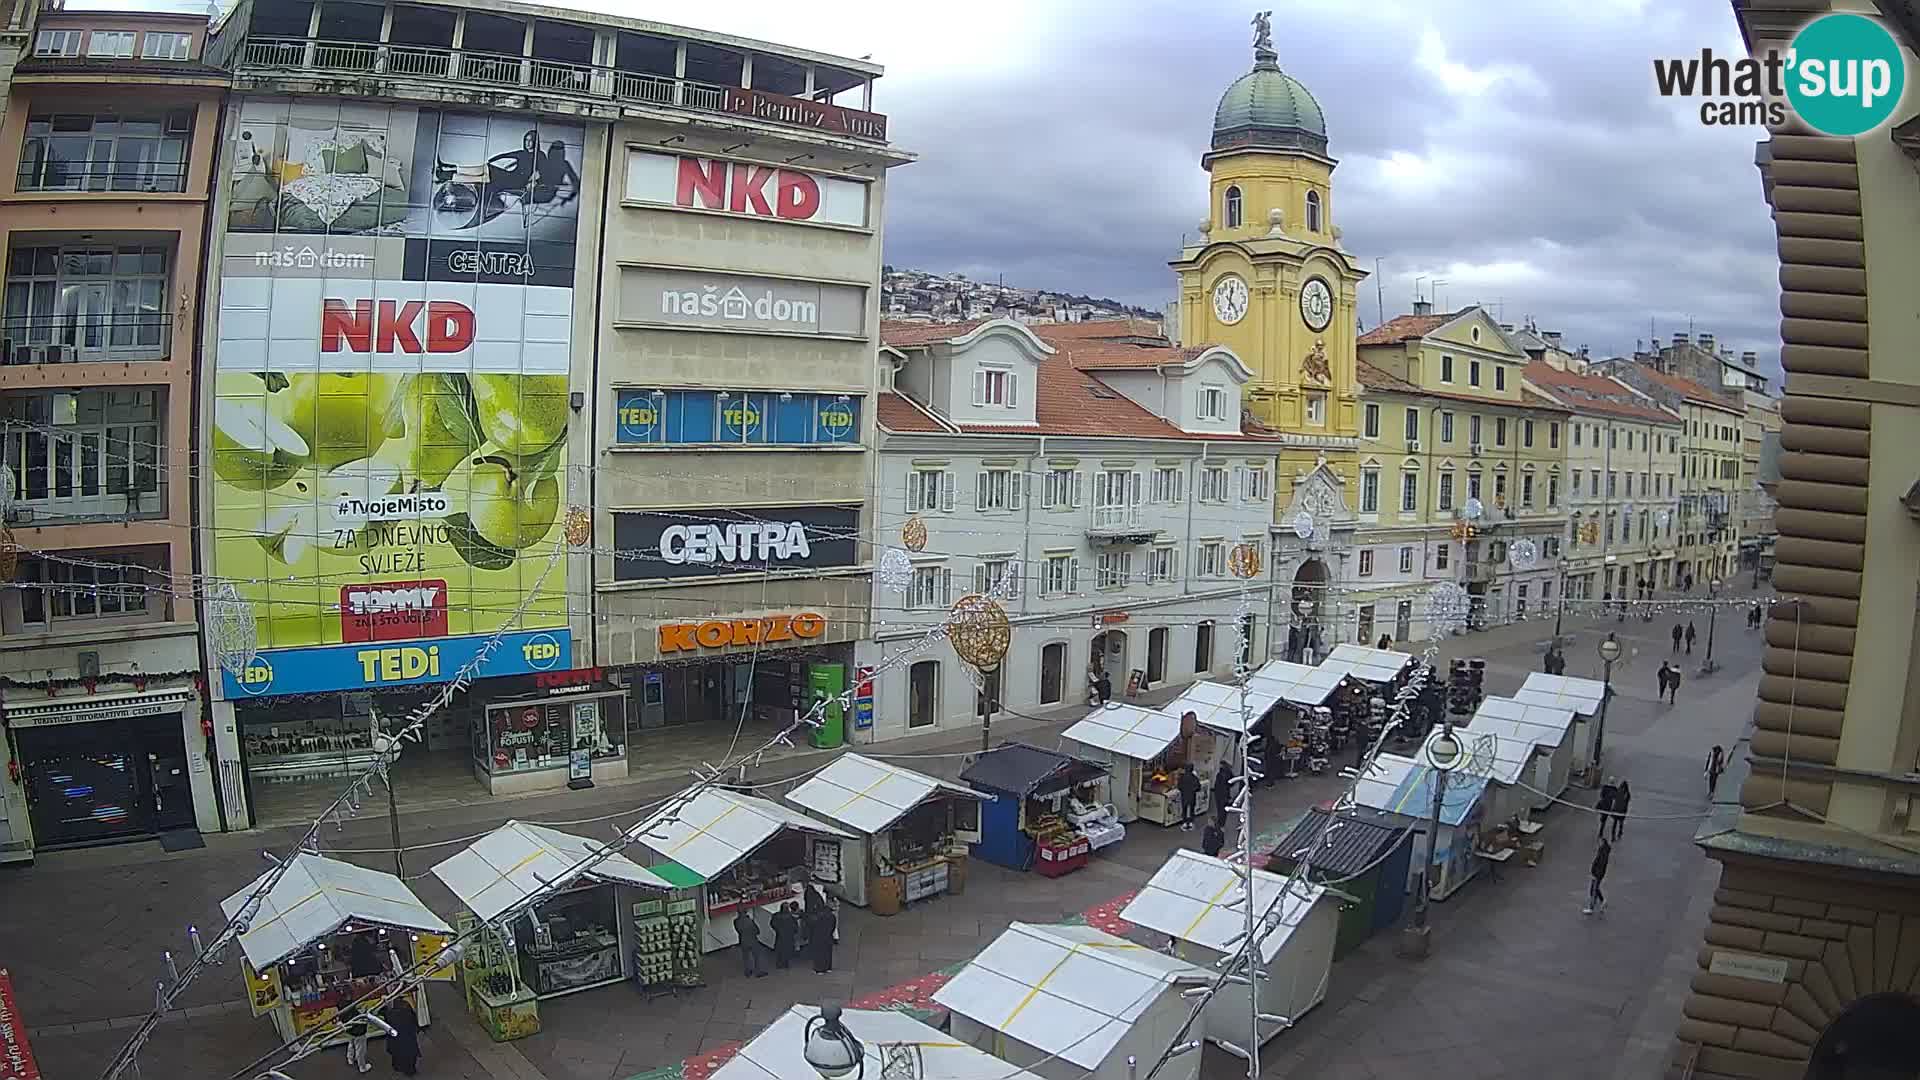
[[391, 398]]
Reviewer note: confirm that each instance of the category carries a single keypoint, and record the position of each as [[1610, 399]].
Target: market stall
[[1398, 793], [1143, 750], [1307, 736], [1582, 696], [1073, 1003], [1193, 898], [1368, 664], [1026, 825], [1368, 861], [1548, 727], [1505, 756], [326, 934], [910, 831], [742, 851], [778, 1052], [579, 938], [1218, 707]]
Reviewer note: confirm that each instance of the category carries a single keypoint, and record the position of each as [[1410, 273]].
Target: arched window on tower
[[1231, 212], [1313, 211]]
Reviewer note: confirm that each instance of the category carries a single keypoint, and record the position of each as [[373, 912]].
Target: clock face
[[1230, 299], [1316, 304]]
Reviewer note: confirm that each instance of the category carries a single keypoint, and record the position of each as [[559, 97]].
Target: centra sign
[[763, 541]]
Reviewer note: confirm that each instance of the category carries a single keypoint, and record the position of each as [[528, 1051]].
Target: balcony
[[143, 177], [75, 303], [1120, 524], [85, 337], [273, 57], [84, 456]]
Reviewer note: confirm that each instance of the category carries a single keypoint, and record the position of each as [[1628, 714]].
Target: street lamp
[[1443, 753], [830, 1048], [1707, 666], [1609, 652]]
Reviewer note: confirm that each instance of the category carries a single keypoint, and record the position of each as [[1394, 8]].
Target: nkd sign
[[750, 189], [704, 542], [661, 297]]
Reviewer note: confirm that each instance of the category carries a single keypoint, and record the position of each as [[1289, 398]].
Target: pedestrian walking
[[1189, 796], [1622, 798], [356, 1027], [1665, 673], [1716, 764], [1689, 582], [1222, 793], [1605, 804], [1673, 684], [1269, 758], [823, 929], [1606, 603], [403, 1046], [1386, 642], [786, 934], [753, 964], [1597, 900], [1678, 633], [1213, 839], [1689, 637]]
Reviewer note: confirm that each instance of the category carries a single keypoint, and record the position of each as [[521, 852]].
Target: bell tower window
[[1313, 211], [1231, 212]]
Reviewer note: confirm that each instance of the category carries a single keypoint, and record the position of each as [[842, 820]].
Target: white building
[[1105, 480]]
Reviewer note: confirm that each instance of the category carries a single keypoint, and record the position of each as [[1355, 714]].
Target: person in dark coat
[[1605, 804], [1213, 839], [753, 961], [1716, 764], [1689, 637], [1386, 641], [1597, 900], [1222, 793], [786, 934], [403, 1046], [1269, 759], [1189, 796], [1622, 798], [363, 957], [1678, 633], [823, 926], [1673, 684], [1665, 673]]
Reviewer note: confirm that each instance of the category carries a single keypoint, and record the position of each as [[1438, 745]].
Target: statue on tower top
[[1262, 32]]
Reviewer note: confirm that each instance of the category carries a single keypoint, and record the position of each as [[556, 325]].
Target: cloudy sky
[[1516, 151]]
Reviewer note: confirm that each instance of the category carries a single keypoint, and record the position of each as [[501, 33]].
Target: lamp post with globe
[[1609, 652], [831, 1049], [1443, 754], [1707, 666]]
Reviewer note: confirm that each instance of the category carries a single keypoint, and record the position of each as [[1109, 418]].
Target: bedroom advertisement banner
[[389, 436]]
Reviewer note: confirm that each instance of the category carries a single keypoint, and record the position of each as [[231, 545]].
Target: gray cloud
[[1566, 190]]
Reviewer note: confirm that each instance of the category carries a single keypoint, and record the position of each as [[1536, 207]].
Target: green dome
[[1266, 107]]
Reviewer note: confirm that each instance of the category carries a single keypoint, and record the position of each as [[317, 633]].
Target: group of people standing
[[402, 1023], [806, 926]]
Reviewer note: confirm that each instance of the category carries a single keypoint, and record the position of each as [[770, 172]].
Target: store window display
[[529, 735]]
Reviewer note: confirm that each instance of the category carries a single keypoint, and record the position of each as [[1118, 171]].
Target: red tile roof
[[1402, 327], [903, 334], [1104, 356], [1688, 389], [1593, 394], [899, 413], [1376, 379], [1100, 329]]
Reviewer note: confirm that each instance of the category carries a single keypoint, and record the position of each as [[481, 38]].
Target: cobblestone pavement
[[1520, 983]]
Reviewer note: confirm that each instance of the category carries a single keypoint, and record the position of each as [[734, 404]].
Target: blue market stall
[[1398, 793], [1027, 825]]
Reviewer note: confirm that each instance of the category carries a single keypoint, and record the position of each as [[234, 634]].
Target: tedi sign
[[1843, 75]]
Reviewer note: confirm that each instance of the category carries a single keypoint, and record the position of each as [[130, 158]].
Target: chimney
[[1679, 340], [1553, 338], [1423, 307], [1750, 358], [1706, 342], [1583, 352], [1507, 326]]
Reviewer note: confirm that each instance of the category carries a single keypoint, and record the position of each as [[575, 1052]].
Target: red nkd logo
[[707, 184], [390, 327]]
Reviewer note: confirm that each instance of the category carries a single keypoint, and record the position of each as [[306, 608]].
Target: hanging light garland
[[1447, 607], [1243, 561], [579, 525], [913, 534], [1523, 554], [977, 627], [9, 554], [894, 570], [231, 630]]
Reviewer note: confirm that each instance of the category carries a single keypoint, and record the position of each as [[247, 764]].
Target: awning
[[1562, 692], [518, 859], [1366, 663], [315, 897], [778, 1052], [1197, 898], [1403, 786], [867, 795], [1128, 730], [1028, 771], [1218, 705], [81, 710], [1070, 991], [1297, 684], [718, 828], [1546, 725]]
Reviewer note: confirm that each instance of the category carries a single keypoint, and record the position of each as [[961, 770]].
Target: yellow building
[[1458, 461], [1270, 280], [1710, 449]]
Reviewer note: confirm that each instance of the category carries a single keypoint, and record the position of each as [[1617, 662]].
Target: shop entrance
[[107, 780], [1110, 652], [1157, 656]]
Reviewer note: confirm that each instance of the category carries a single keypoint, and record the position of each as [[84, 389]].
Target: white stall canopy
[[1217, 705], [1403, 786], [1197, 898], [517, 859], [1297, 684], [778, 1052], [1493, 750], [1128, 730], [1546, 725], [868, 796], [1367, 663], [315, 898], [1070, 991], [1562, 692], [718, 828]]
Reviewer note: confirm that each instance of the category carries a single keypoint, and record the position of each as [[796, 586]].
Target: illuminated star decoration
[[1447, 606]]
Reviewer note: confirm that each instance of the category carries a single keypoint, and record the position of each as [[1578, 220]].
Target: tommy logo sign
[[721, 633], [393, 611], [751, 189], [386, 326]]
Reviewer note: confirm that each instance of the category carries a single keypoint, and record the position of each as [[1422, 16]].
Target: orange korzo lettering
[[779, 628], [676, 637]]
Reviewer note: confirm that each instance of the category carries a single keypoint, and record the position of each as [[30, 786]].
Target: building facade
[[1711, 442], [525, 340], [106, 155], [1462, 459], [1623, 475], [1805, 963], [1094, 486]]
